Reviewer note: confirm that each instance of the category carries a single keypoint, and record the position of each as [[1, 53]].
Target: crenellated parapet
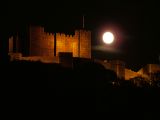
[[79, 44], [42, 43]]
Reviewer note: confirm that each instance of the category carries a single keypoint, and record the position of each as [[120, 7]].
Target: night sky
[[134, 23]]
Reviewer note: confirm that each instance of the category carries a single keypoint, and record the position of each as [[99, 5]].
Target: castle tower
[[79, 44], [85, 43], [14, 46], [41, 43], [10, 50]]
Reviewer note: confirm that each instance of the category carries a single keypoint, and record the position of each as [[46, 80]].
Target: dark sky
[[134, 23]]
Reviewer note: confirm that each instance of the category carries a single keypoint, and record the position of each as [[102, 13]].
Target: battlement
[[42, 43]]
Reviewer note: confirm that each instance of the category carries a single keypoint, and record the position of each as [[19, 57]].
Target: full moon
[[108, 37]]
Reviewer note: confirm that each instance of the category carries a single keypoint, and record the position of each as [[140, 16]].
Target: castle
[[41, 44], [37, 45]]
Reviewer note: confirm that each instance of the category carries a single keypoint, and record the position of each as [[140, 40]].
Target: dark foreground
[[86, 88]]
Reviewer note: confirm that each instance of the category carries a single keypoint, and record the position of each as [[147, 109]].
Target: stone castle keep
[[43, 44]]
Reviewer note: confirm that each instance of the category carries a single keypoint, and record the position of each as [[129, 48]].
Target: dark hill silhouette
[[86, 87], [94, 75]]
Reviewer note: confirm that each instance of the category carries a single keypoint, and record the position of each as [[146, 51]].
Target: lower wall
[[44, 59]]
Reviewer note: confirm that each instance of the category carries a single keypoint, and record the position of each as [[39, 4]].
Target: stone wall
[[119, 67], [115, 65], [15, 56], [36, 41], [64, 43], [48, 44], [131, 74], [42, 43], [85, 44], [79, 44], [10, 45], [43, 59]]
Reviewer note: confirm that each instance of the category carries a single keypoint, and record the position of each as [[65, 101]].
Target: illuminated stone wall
[[15, 56], [60, 43], [149, 69], [41, 43], [143, 72], [131, 74], [64, 43], [13, 44], [10, 44], [36, 41], [76, 44], [79, 44], [44, 59], [48, 44], [85, 44]]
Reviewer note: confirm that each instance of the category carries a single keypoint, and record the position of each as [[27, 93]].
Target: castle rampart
[[46, 44]]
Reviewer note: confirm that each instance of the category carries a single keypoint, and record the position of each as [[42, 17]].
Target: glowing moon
[[108, 37]]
